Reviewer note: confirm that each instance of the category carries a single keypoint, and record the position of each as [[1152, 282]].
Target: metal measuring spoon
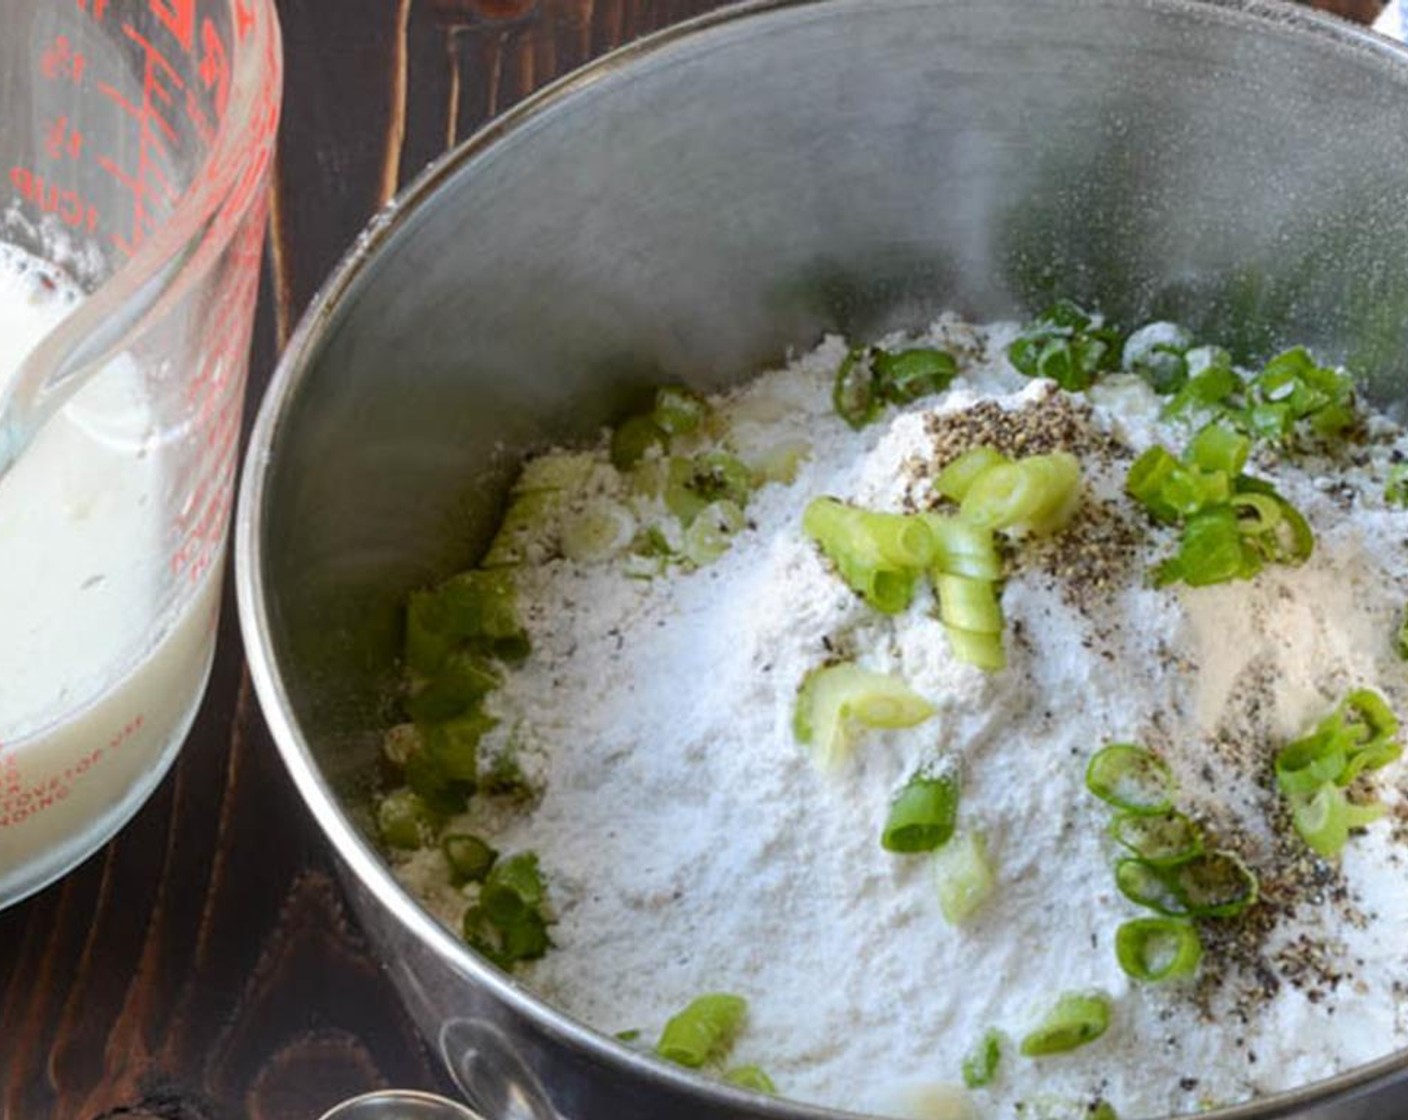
[[400, 1104]]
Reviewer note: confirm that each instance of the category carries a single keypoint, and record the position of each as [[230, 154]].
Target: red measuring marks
[[22, 798], [64, 141], [213, 397], [151, 190]]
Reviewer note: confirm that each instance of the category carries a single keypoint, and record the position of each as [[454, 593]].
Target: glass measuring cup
[[135, 142]]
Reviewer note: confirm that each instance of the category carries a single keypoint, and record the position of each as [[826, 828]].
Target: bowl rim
[[353, 849]]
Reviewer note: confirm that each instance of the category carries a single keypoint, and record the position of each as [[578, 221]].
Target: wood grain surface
[[203, 966]]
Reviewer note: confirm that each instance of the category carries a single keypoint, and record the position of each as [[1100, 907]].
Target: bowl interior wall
[[849, 165]]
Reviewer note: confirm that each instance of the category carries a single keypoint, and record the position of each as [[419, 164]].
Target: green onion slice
[[1036, 494], [711, 532], [878, 555], [1211, 550], [1214, 884], [963, 877], [1155, 353], [679, 411], [633, 439], [1208, 885], [473, 612], [969, 604], [907, 375], [1148, 476], [1218, 448], [1162, 839], [1322, 819], [513, 889], [954, 480], [405, 821], [505, 944], [458, 685], [855, 394], [703, 1032], [834, 699], [963, 549], [1131, 778], [426, 777], [1396, 485], [469, 857], [751, 1077], [1158, 949], [982, 650], [598, 531], [980, 1065], [692, 485], [922, 816], [1076, 1020], [1304, 766], [1148, 885]]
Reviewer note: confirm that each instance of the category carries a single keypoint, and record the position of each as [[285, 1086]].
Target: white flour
[[690, 844]]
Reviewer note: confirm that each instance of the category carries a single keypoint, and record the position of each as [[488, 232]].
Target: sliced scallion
[[1396, 485], [1162, 839], [980, 1065], [1155, 353], [513, 888], [454, 744], [469, 857], [963, 876], [1131, 778], [427, 779], [969, 604], [751, 1077], [711, 532], [922, 816], [834, 699], [1216, 447], [855, 394], [1214, 884], [1157, 949], [1066, 346], [508, 923], [1357, 737], [462, 680], [405, 821], [954, 480], [879, 555], [1148, 885], [907, 375], [693, 484], [600, 530], [1321, 819], [704, 1032], [678, 411], [633, 439], [984, 651], [1037, 494], [963, 549], [1076, 1019]]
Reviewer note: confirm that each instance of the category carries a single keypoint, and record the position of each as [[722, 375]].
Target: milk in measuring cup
[[99, 678]]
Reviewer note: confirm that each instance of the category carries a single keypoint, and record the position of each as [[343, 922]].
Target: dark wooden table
[[203, 965]]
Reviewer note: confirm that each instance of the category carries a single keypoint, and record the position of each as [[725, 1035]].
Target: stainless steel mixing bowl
[[690, 207]]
